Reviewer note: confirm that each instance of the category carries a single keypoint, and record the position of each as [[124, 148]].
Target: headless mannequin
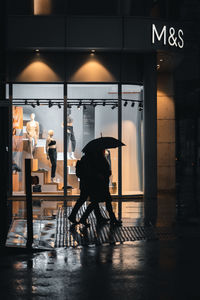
[[32, 130], [51, 151], [71, 137]]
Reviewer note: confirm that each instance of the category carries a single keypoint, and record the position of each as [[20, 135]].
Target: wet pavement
[[145, 270]]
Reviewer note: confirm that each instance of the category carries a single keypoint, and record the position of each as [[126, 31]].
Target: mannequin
[[51, 151], [32, 130], [70, 136]]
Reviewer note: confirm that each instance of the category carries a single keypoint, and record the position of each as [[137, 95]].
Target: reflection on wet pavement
[[59, 232], [156, 270]]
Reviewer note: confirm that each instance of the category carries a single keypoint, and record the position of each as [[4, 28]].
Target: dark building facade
[[105, 69]]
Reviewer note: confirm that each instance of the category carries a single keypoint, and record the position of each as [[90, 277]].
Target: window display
[[89, 107], [91, 112], [38, 135], [132, 136]]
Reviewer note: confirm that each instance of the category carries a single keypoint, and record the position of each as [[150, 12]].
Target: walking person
[[97, 185], [84, 194]]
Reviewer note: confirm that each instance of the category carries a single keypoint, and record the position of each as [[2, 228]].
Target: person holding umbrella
[[97, 173]]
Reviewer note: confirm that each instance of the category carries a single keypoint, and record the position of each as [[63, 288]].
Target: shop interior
[[92, 111]]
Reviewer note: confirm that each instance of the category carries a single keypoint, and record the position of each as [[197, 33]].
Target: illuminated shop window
[[132, 136], [38, 135], [90, 115]]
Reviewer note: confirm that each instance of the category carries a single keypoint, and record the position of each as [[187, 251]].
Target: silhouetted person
[[84, 194], [97, 183]]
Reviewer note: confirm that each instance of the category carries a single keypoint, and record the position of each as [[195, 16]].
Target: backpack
[[80, 168]]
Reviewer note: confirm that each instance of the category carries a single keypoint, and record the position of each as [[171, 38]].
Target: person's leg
[[89, 209], [113, 220], [99, 217], [83, 197]]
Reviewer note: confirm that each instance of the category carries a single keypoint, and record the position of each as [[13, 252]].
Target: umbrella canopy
[[102, 143]]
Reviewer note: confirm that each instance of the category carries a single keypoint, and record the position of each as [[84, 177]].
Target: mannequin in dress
[[32, 130], [51, 151]]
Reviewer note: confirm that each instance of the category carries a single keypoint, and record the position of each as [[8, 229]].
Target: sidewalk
[[165, 269]]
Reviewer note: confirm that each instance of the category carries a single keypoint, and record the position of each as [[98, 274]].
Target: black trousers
[[53, 160], [92, 207], [71, 137], [83, 197]]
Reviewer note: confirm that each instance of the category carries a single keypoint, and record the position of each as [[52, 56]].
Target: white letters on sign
[[172, 37]]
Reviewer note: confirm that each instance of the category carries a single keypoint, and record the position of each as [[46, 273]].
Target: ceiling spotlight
[[140, 108], [92, 101], [50, 104], [38, 103], [140, 105], [158, 66], [68, 106], [114, 106], [33, 105], [132, 104], [125, 103], [59, 105], [26, 102], [79, 104], [161, 59], [92, 52], [104, 103], [94, 104], [84, 106], [37, 50]]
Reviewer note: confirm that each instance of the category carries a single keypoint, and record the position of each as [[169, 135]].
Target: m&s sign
[[168, 36]]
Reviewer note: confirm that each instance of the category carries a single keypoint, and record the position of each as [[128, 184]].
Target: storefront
[[92, 111], [75, 83]]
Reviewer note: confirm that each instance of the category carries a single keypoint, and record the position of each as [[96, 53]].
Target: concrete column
[[166, 145], [150, 138]]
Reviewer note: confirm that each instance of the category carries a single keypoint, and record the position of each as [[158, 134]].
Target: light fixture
[[38, 103], [50, 104], [84, 106], [132, 104], [92, 52], [94, 104], [114, 106], [68, 106], [33, 105], [104, 103], [140, 105], [161, 59], [37, 50], [125, 103], [59, 105], [158, 67], [92, 101], [26, 102], [79, 104]]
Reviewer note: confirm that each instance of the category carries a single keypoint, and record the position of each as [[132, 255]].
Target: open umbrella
[[102, 143]]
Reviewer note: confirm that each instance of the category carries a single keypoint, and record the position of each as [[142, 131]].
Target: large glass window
[[132, 136], [90, 115], [92, 111], [38, 135]]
